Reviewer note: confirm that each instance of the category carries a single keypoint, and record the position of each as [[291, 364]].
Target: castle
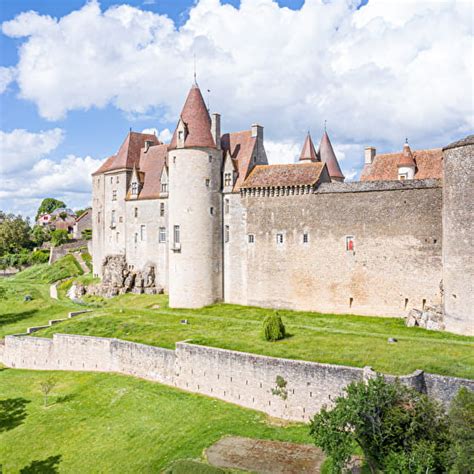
[[206, 219]]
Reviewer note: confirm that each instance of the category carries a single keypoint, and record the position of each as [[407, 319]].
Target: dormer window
[[134, 188], [227, 179], [164, 187], [180, 135]]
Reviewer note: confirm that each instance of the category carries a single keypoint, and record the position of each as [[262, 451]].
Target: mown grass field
[[338, 339], [114, 424]]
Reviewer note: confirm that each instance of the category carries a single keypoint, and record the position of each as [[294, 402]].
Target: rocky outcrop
[[118, 279], [431, 317]]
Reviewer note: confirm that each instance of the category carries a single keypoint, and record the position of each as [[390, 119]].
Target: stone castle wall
[[241, 378], [395, 264]]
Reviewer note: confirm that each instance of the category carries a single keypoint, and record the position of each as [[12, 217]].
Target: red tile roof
[[308, 152], [406, 158], [197, 121], [241, 147], [327, 155], [295, 174], [384, 167], [151, 166], [129, 152]]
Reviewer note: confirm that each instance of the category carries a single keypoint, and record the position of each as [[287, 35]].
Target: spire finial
[[406, 141], [130, 129], [325, 125], [195, 80]]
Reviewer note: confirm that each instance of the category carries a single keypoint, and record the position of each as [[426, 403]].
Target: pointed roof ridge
[[327, 155], [308, 151], [406, 158], [195, 117]]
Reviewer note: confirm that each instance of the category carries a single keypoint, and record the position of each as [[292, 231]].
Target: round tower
[[194, 203]]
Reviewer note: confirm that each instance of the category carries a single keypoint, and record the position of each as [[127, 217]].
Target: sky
[[76, 75]]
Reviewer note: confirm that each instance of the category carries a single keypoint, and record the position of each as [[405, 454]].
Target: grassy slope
[[112, 423]]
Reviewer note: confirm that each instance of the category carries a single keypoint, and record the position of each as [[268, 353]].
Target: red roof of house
[[308, 152], [328, 156], [295, 174], [241, 146], [151, 166], [197, 122], [384, 167], [129, 152], [406, 158]]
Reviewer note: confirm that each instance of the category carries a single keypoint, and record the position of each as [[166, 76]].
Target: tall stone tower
[[195, 207], [458, 236]]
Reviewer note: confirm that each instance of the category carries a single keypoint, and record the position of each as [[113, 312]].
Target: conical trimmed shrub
[[273, 328]]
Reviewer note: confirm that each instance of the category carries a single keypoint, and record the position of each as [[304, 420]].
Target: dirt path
[[83, 265], [265, 457]]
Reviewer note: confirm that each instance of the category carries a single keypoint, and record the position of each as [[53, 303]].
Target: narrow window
[[114, 195], [279, 238], [350, 243], [211, 211], [117, 236], [112, 219], [254, 159], [111, 180], [423, 304], [162, 235], [227, 179], [134, 188], [136, 237], [176, 235], [226, 206], [98, 217], [135, 212], [180, 135], [162, 209], [351, 300], [142, 232], [120, 219], [164, 187], [226, 234], [251, 238], [406, 303], [117, 180], [210, 158], [305, 238]]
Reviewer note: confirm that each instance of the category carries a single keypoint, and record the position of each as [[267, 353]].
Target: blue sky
[[77, 75]]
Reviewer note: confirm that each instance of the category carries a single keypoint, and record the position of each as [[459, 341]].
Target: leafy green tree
[[86, 234], [59, 237], [14, 233], [79, 212], [461, 423], [48, 205], [40, 235], [397, 428], [273, 328]]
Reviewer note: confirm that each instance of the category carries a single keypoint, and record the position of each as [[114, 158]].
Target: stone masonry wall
[[397, 231], [241, 378]]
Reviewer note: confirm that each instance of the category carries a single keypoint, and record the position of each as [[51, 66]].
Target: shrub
[[59, 237], [398, 429], [86, 234], [273, 328], [39, 256]]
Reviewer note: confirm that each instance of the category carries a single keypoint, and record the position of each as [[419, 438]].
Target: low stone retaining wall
[[241, 378]]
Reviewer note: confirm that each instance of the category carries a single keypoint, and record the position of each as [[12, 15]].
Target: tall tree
[[49, 205], [14, 233]]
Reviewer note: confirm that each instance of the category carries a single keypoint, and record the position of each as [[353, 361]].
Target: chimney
[[370, 152], [216, 129], [257, 131]]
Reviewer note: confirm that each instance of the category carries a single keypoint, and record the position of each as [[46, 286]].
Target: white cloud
[[378, 74], [20, 149], [7, 76], [280, 152], [164, 136]]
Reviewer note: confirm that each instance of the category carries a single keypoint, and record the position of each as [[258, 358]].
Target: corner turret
[[327, 155]]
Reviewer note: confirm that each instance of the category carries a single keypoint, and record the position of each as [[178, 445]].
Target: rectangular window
[[211, 211], [305, 238], [279, 238], [135, 212], [227, 179], [98, 217], [210, 158], [162, 235], [226, 234], [208, 182], [111, 180], [114, 195], [117, 180], [226, 206], [136, 237], [176, 235], [164, 187], [112, 219], [142, 232], [162, 209], [251, 238], [120, 219], [117, 235], [134, 188], [350, 243]]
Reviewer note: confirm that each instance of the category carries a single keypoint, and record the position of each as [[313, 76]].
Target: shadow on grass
[[10, 318], [66, 398], [46, 466], [12, 413]]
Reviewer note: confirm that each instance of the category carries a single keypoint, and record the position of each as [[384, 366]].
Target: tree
[[273, 328], [59, 237], [40, 235], [48, 205], [14, 233], [461, 424], [46, 387], [397, 428]]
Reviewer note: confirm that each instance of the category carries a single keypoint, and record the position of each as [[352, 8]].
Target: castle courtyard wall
[[247, 380], [395, 263]]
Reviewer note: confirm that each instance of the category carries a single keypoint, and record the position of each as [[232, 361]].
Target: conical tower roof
[[407, 157], [327, 155], [308, 153], [196, 120]]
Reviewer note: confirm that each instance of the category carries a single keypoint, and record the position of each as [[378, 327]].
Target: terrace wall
[[237, 377]]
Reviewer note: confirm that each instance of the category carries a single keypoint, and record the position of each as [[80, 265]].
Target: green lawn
[[348, 340], [113, 423]]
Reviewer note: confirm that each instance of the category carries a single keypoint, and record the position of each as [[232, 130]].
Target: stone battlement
[[237, 377]]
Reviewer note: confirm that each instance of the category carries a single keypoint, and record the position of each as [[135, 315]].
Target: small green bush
[[39, 256], [273, 328]]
